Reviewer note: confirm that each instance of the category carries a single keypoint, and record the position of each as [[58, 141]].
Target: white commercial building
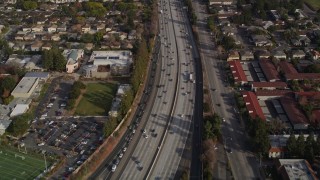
[[19, 109], [118, 61], [25, 87], [4, 124]]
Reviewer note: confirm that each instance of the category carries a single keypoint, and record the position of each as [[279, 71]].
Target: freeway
[[243, 163]]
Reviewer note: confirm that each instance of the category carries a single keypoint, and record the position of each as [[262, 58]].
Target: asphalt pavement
[[242, 162]]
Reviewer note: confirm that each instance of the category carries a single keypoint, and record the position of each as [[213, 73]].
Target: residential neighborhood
[[160, 89]]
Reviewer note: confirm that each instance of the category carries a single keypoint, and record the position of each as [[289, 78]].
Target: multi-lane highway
[[243, 164], [166, 115]]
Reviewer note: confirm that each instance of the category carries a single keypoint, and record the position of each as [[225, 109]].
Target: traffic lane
[[127, 155]]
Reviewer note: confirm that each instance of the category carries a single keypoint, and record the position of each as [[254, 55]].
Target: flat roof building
[[25, 87], [119, 61], [292, 169], [19, 109]]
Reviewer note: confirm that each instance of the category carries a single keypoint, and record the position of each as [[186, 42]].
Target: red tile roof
[[302, 76], [269, 70], [277, 149], [277, 93], [287, 68], [294, 113], [237, 71], [253, 105], [278, 84]]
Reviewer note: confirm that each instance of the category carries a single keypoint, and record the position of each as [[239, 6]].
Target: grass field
[[314, 3], [97, 99], [12, 167]]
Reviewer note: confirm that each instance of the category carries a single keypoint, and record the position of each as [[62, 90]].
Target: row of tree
[[53, 59], [212, 127], [75, 93], [303, 148]]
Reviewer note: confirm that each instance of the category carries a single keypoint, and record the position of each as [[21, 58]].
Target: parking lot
[[73, 138]]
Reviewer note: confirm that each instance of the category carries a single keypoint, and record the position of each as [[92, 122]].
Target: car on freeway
[[146, 136], [124, 149], [223, 119], [144, 131], [114, 167], [116, 161], [120, 155]]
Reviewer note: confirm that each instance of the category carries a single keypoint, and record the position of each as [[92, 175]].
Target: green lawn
[[314, 3], [97, 100], [12, 167]]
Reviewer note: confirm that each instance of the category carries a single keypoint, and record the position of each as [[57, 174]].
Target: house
[[132, 35], [228, 30], [252, 105], [34, 64], [221, 2], [301, 41], [233, 55], [86, 28], [315, 54], [29, 37], [298, 54], [52, 28], [20, 35], [62, 28], [292, 169], [27, 29], [279, 55], [36, 46], [46, 37], [100, 27], [237, 72], [262, 54], [55, 37], [37, 28], [46, 46], [275, 15], [260, 40], [10, 1], [72, 56]]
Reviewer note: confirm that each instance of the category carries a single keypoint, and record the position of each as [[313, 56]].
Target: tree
[[29, 5], [87, 38], [53, 59], [300, 146], [260, 138], [7, 84], [109, 126], [276, 126], [309, 150], [95, 9], [313, 68], [98, 37], [228, 42], [292, 145], [19, 124], [126, 103]]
